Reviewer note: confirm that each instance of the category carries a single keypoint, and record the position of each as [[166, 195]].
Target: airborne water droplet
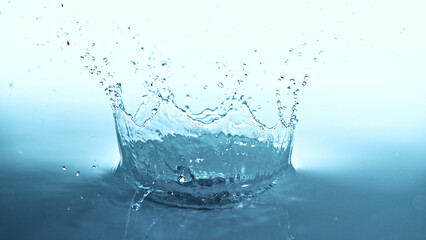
[[77, 173], [220, 85], [188, 98], [64, 168]]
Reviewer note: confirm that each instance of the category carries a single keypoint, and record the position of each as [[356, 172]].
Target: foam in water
[[216, 156]]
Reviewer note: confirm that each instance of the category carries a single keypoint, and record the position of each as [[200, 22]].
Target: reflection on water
[[307, 205]]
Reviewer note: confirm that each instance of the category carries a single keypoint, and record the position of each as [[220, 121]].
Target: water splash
[[212, 156]]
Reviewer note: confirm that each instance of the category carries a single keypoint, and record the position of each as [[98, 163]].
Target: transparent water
[[359, 167]]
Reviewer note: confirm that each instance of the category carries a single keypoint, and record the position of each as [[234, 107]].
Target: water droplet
[[321, 52], [94, 166], [187, 98], [64, 168], [93, 44], [304, 83], [98, 73], [181, 179], [296, 92], [105, 60], [154, 111], [163, 63], [315, 59], [290, 50], [77, 173], [220, 85], [205, 87], [68, 43]]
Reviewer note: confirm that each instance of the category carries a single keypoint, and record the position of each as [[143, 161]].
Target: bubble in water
[[304, 83], [105, 60], [64, 168], [77, 173], [181, 179], [220, 85], [98, 72]]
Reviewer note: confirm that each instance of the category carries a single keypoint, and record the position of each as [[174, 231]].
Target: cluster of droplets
[[157, 72], [99, 67], [292, 87], [293, 91]]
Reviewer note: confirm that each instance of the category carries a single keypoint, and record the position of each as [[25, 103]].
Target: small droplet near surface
[[77, 173], [220, 85], [64, 168]]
